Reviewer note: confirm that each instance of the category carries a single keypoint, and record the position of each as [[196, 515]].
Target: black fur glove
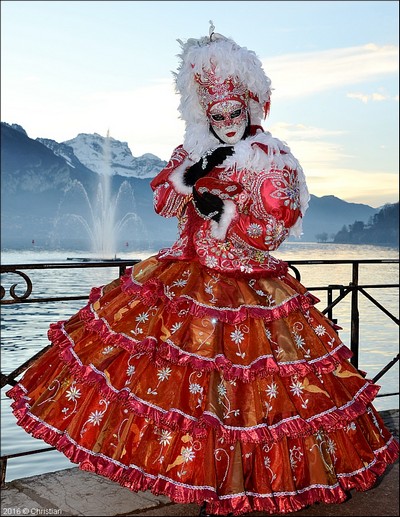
[[206, 163], [207, 205]]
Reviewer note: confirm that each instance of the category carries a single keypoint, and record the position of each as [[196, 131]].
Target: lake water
[[24, 326]]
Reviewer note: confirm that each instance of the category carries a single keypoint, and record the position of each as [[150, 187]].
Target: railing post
[[355, 316], [3, 472]]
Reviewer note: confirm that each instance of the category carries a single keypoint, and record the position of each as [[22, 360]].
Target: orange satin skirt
[[207, 387]]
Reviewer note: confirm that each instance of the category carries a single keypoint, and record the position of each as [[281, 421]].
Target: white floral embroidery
[[130, 370], [330, 447], [320, 330], [374, 419], [73, 393], [272, 390], [254, 230], [267, 461], [209, 326], [195, 388], [142, 317], [209, 287], [96, 416], [175, 327], [165, 437], [107, 350], [164, 373], [237, 336], [299, 340], [278, 350], [211, 261], [297, 389], [188, 454], [295, 456], [224, 401], [221, 389], [179, 283]]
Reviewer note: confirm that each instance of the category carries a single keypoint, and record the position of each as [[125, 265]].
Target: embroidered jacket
[[265, 196]]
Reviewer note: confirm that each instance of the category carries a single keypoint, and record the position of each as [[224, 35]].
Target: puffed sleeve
[[169, 194], [271, 208]]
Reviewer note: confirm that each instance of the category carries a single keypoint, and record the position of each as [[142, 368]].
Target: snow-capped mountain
[[62, 150], [105, 155]]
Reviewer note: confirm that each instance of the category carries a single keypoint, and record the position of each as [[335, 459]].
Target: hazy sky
[[70, 67]]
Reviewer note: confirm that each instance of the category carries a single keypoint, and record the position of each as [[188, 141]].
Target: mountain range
[[49, 191]]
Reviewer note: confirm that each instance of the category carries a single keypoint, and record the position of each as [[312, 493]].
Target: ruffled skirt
[[207, 387]]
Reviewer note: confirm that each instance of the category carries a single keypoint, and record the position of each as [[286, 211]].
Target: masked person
[[206, 373]]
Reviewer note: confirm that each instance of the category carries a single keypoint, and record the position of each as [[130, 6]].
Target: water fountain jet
[[103, 218]]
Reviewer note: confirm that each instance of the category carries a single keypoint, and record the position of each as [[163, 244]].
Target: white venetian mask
[[229, 120]]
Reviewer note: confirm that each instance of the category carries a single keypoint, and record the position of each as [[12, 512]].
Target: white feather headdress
[[228, 60]]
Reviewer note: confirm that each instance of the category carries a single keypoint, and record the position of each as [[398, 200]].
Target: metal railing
[[353, 289]]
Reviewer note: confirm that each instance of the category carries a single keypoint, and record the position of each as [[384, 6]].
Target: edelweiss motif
[[72, 394], [163, 374], [131, 368], [224, 401], [164, 439], [297, 389], [237, 336], [141, 319], [299, 340], [254, 230], [287, 188], [320, 330], [188, 454], [175, 327], [330, 447], [272, 392], [195, 388], [96, 416], [181, 282]]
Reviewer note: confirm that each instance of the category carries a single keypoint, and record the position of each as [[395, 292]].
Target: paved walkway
[[74, 492]]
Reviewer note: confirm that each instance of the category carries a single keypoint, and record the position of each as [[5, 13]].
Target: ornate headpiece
[[212, 89], [215, 68]]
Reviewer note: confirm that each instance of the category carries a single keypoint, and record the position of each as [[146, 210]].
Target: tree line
[[382, 228]]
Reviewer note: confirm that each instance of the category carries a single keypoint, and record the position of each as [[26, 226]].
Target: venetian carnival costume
[[206, 373]]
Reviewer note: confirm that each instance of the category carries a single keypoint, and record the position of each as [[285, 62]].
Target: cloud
[[374, 97], [311, 145], [303, 74]]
